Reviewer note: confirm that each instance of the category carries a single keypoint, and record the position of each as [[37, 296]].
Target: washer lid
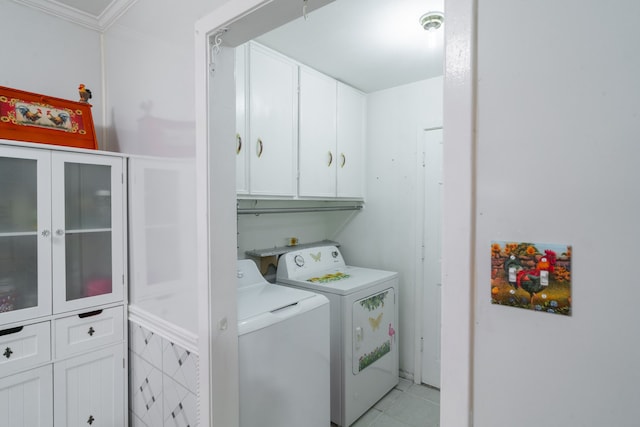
[[267, 298], [342, 281], [256, 296]]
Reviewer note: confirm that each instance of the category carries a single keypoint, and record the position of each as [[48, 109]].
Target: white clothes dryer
[[364, 317], [283, 352]]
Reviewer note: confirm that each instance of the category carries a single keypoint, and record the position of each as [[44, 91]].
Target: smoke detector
[[431, 21]]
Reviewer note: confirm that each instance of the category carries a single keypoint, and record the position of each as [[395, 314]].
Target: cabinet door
[[26, 399], [89, 389], [87, 230], [25, 234], [317, 145], [242, 159], [273, 94], [351, 142]]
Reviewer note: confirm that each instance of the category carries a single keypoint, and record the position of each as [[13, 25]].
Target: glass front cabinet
[[62, 275]]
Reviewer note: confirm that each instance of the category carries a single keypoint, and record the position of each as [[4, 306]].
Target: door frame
[[218, 338], [421, 255]]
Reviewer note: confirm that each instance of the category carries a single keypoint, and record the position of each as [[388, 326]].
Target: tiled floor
[[407, 405]]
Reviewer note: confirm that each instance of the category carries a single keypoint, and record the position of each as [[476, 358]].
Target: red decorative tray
[[31, 117]]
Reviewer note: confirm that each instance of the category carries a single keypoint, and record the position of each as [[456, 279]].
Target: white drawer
[[86, 331], [24, 346]]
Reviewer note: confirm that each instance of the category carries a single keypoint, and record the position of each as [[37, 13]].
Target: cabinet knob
[[91, 331], [8, 352], [45, 233], [59, 232], [90, 420]]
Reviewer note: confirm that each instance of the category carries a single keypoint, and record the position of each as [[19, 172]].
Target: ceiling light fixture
[[431, 21]]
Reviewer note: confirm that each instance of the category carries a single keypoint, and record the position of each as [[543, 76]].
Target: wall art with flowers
[[533, 276]]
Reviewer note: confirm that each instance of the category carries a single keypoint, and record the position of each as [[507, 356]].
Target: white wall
[[49, 56], [557, 151], [383, 234], [149, 63]]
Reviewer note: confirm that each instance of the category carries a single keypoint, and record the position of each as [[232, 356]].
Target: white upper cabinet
[[351, 122], [299, 133], [87, 232], [242, 158], [317, 144], [273, 123], [25, 234], [61, 232]]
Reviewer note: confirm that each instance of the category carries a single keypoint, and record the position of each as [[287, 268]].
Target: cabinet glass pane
[[18, 195], [88, 259], [87, 196], [18, 272]]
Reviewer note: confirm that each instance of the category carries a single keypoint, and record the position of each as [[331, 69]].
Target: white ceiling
[[369, 44], [95, 14]]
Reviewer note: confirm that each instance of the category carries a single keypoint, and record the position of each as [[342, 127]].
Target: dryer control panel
[[305, 263]]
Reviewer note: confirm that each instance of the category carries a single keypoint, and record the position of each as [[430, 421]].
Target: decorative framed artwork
[[31, 117], [532, 276]]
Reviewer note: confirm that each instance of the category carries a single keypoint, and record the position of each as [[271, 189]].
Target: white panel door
[[87, 230], [351, 112], [432, 242], [89, 389], [317, 144], [26, 399], [273, 123]]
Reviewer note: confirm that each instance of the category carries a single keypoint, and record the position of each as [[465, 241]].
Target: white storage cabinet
[[273, 123], [62, 287], [350, 140], [317, 144], [299, 133], [332, 136]]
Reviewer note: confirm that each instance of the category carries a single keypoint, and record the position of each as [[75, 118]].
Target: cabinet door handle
[[330, 159], [45, 233], [11, 331], [8, 352], [60, 232], [89, 314], [259, 147], [90, 420], [91, 331], [344, 160], [238, 143]]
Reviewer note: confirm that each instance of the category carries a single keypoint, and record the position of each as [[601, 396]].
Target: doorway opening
[[230, 40]]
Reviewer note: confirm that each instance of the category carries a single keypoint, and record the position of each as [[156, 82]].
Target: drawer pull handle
[[11, 331], [8, 352], [90, 420], [89, 314], [91, 331]]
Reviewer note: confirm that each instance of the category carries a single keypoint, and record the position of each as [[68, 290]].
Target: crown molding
[[98, 23]]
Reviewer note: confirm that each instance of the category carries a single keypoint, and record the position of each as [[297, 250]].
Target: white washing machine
[[283, 346], [364, 316]]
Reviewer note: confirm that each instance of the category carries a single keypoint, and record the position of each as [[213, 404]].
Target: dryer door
[[374, 326]]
